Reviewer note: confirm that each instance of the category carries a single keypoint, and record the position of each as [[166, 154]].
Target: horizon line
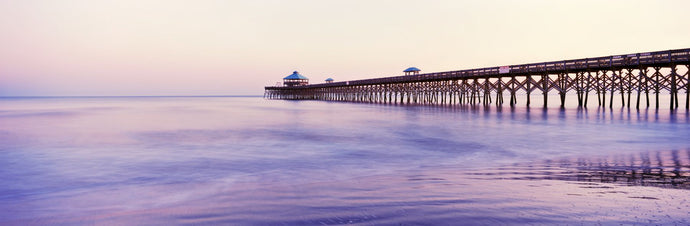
[[118, 96]]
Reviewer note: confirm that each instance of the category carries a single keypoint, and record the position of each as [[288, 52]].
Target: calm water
[[250, 161]]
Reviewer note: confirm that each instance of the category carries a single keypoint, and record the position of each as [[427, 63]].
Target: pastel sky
[[205, 47]]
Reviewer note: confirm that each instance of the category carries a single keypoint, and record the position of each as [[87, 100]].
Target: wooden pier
[[624, 75]]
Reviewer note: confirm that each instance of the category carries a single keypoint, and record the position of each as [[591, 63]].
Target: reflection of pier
[[669, 169], [641, 73]]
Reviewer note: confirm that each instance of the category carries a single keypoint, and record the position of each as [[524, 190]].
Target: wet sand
[[637, 189]]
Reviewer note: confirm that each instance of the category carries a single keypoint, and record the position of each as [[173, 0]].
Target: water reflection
[[601, 114], [665, 169]]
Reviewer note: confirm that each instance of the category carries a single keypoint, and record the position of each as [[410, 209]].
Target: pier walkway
[[640, 73]]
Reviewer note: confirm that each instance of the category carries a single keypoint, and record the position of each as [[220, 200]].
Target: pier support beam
[[674, 91], [562, 86], [529, 88], [687, 87], [613, 88], [639, 88], [545, 89], [589, 79], [657, 88]]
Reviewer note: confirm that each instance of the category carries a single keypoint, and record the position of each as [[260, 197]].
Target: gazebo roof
[[295, 75], [411, 69], [329, 79]]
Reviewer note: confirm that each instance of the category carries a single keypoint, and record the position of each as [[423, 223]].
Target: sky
[[225, 47]]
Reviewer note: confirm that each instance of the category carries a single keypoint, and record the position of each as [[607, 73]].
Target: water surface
[[250, 161]]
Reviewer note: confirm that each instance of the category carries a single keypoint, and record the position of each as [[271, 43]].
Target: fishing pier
[[640, 73]]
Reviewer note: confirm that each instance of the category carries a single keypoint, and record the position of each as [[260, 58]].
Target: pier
[[608, 77]]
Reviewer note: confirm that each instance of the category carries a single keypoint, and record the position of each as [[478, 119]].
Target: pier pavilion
[[295, 79], [412, 71]]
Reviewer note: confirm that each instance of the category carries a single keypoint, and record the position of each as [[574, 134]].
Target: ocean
[[253, 161]]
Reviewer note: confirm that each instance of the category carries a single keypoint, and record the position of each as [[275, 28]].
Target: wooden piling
[[687, 87], [529, 88], [545, 89]]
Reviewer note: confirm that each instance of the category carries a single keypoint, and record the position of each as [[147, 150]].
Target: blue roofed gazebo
[[412, 71], [295, 79]]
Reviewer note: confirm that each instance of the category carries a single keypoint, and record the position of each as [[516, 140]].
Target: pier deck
[[655, 72]]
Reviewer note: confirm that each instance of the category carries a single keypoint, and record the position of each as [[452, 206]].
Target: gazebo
[[295, 79], [412, 71], [329, 80]]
